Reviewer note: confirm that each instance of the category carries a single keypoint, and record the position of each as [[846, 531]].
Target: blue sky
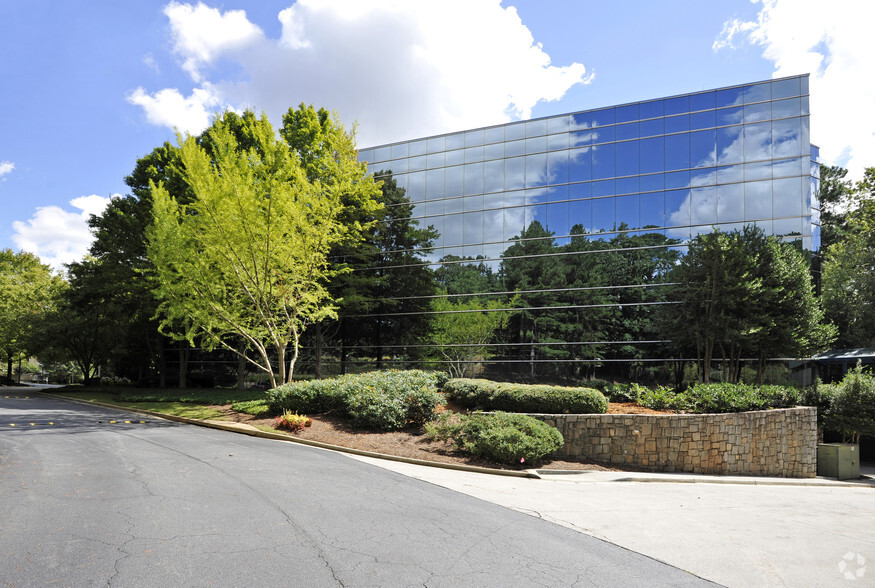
[[88, 86]]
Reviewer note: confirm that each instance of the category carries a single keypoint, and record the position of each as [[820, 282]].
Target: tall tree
[[834, 195], [27, 289], [743, 293], [462, 330], [248, 256], [849, 271]]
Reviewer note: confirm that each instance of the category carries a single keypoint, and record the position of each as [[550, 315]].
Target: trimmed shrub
[[498, 437], [489, 395], [313, 396], [253, 407], [386, 400], [721, 398]]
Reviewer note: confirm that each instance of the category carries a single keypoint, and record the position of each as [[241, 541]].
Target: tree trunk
[[241, 367], [9, 366], [183, 366], [317, 366]]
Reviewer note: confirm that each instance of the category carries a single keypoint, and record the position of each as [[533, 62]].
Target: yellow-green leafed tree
[[247, 257]]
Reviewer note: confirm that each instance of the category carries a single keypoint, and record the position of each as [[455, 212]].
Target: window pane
[[580, 164], [557, 218], [493, 135], [435, 144], [434, 184], [604, 117], [757, 141], [730, 146], [557, 167], [730, 97], [580, 215], [416, 163], [381, 154], [558, 124], [603, 161], [603, 134], [677, 105], [474, 138], [436, 160], [416, 148], [557, 142], [703, 101], [652, 208], [474, 154], [730, 203], [628, 211], [514, 148], [514, 173], [703, 148], [627, 131], [730, 173], [474, 178], [494, 151], [785, 88], [757, 200], [493, 176], [398, 166], [703, 177], [652, 182], [536, 145], [652, 153], [703, 120], [730, 116], [515, 131], [787, 197], [456, 157], [651, 109], [604, 188], [416, 186], [536, 170], [786, 108], [677, 124], [581, 120], [649, 128], [758, 93], [704, 206], [676, 180], [399, 150], [677, 151], [677, 208], [536, 128], [761, 170], [454, 180], [604, 214], [786, 137], [627, 158], [627, 185], [757, 112], [626, 113]]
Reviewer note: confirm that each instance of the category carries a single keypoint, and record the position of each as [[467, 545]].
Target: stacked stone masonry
[[761, 443]]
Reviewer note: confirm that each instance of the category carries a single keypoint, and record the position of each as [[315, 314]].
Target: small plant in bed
[[292, 422]]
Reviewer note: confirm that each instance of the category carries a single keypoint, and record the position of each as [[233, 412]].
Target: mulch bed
[[412, 443]]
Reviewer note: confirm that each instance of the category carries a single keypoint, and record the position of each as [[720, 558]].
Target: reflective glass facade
[[660, 170]]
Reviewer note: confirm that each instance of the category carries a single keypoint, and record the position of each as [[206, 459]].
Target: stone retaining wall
[[762, 443]]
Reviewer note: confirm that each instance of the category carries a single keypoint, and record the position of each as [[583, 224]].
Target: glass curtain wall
[[565, 226]]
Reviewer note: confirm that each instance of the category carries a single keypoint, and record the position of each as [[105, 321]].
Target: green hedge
[[386, 400], [498, 437], [489, 395], [721, 398]]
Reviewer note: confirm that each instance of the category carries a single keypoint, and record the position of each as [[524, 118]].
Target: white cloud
[[6, 167], [835, 45], [59, 236], [170, 108], [402, 69]]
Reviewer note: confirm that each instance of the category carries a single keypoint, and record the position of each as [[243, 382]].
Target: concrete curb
[[252, 431]]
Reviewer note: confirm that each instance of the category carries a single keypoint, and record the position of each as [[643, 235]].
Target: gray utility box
[[838, 460]]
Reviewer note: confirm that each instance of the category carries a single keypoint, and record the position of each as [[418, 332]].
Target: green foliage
[[28, 293], [194, 395], [489, 395], [852, 406], [383, 400], [247, 257], [721, 398], [462, 329], [498, 437], [744, 293], [257, 408], [848, 278]]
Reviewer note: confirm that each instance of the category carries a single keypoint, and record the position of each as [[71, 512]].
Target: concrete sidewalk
[[734, 531]]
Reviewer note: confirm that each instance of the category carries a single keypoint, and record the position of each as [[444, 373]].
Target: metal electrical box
[[838, 460]]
